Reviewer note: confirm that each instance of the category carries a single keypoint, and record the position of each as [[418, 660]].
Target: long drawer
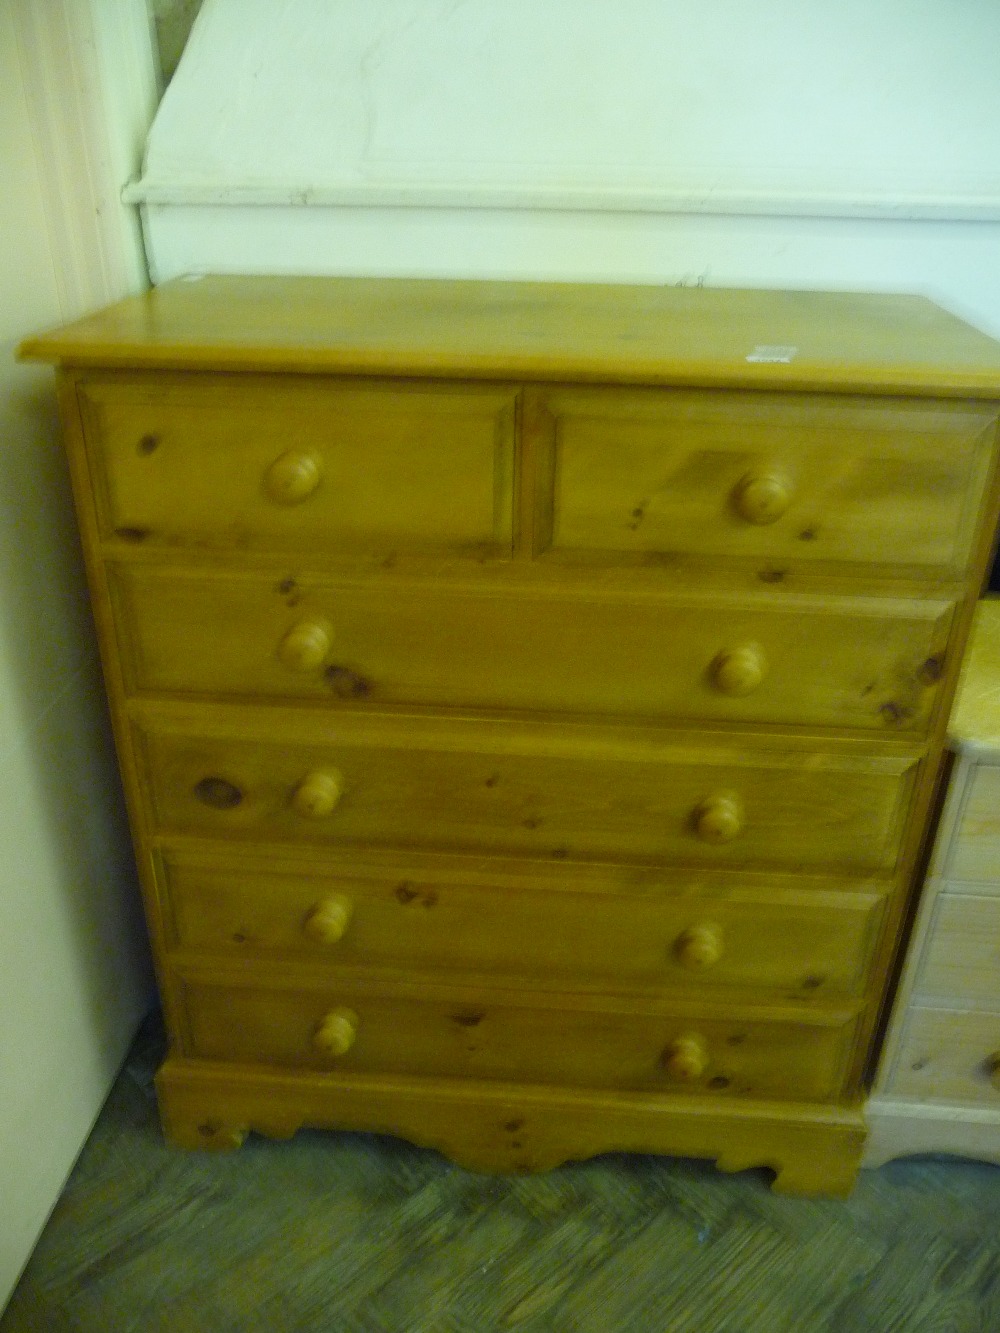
[[522, 1038], [835, 661], [776, 477], [545, 790], [301, 464], [948, 1055], [974, 851], [581, 926], [962, 956]]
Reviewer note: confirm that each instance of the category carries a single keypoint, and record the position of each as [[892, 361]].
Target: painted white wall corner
[[78, 88]]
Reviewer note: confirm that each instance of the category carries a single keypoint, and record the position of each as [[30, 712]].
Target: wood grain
[[776, 936], [871, 481], [426, 484], [826, 662], [946, 1055], [399, 467], [463, 1033], [519, 1129], [963, 955], [556, 331], [535, 790], [974, 853]]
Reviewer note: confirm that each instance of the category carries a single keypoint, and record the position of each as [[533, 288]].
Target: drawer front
[[975, 847], [947, 1055], [767, 476], [486, 1037], [521, 789], [845, 662], [802, 944], [962, 957], [301, 465]]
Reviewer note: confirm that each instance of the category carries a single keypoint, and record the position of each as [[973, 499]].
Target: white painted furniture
[[623, 141], [938, 1088]]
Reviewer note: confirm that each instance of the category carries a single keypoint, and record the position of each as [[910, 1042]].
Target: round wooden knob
[[293, 477], [329, 919], [686, 1058], [700, 945], [992, 1064], [719, 818], [337, 1032], [762, 497], [306, 645], [739, 671], [318, 794]]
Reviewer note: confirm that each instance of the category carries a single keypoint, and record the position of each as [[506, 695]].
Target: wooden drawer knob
[[763, 496], [992, 1066], [686, 1058], [739, 671], [293, 477], [306, 645], [337, 1032], [328, 920], [719, 818], [318, 794], [700, 945]]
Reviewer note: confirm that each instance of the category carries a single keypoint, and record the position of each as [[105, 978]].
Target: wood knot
[[218, 793], [290, 590], [468, 1020], [895, 714], [407, 894], [347, 684]]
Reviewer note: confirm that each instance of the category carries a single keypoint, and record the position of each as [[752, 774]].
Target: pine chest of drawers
[[529, 698]]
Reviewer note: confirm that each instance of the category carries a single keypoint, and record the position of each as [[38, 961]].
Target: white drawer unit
[[938, 1085]]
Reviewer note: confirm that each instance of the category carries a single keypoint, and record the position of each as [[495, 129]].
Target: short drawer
[[523, 1038], [962, 956], [975, 847], [577, 927], [774, 477], [948, 1056], [296, 463], [570, 792], [844, 662]]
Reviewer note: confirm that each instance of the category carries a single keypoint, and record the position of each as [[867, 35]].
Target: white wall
[[74, 974]]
